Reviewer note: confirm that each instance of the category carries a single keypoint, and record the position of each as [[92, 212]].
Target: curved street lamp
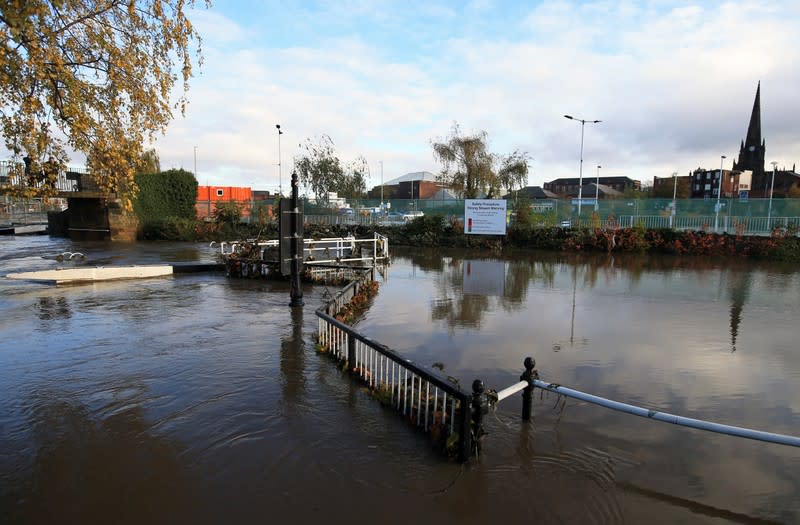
[[580, 171], [597, 190], [674, 195], [280, 178], [771, 189], [719, 194]]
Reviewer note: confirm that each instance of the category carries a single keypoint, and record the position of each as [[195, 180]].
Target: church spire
[[754, 129], [752, 151]]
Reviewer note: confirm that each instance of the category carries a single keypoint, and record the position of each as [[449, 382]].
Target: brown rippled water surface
[[199, 399]]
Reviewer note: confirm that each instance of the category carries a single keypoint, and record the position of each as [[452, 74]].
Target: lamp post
[[719, 194], [597, 190], [674, 195], [580, 171], [771, 189], [280, 178]]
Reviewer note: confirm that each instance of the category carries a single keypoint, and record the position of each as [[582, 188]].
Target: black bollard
[[527, 394], [480, 406]]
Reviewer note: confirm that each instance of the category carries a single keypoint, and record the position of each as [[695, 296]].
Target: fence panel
[[432, 403]]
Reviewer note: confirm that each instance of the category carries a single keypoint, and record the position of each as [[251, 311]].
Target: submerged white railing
[[530, 380], [434, 404], [319, 251]]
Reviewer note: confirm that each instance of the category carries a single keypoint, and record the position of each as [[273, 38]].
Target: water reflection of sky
[[704, 340], [685, 322]]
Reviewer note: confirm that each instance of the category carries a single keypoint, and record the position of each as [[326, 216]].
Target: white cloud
[[673, 85]]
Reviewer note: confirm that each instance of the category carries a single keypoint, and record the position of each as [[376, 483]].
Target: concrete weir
[[109, 273], [23, 229]]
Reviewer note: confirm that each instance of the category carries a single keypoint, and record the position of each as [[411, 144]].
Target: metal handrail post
[[527, 393]]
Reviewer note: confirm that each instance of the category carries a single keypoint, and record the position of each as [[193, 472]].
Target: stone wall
[[123, 225]]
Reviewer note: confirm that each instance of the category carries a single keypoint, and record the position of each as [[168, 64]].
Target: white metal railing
[[530, 380], [726, 224], [432, 403], [325, 250]]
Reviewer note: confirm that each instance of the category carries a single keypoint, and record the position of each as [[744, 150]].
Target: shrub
[[170, 193], [229, 213], [170, 229]]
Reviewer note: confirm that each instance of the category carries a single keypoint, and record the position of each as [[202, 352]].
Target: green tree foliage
[[522, 209], [229, 213], [320, 168], [171, 193], [149, 162], [470, 169], [664, 190], [94, 76], [354, 184]]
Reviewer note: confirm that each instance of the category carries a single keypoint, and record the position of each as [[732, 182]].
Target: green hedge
[[163, 195]]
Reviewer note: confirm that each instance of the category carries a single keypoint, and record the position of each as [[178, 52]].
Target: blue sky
[[672, 82]]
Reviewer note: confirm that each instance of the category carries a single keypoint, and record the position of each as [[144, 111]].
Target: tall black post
[[296, 290], [527, 394]]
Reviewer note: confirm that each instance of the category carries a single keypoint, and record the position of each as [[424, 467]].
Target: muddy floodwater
[[200, 399]]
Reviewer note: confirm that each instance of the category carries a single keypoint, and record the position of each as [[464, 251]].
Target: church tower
[[751, 152]]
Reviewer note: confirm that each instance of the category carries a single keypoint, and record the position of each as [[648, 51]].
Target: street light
[[719, 193], [580, 171], [280, 178], [381, 185], [597, 190], [195, 162], [771, 189], [674, 194]]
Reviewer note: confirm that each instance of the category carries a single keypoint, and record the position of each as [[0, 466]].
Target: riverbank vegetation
[[436, 231]]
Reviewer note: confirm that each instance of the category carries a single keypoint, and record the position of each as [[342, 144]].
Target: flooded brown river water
[[199, 399]]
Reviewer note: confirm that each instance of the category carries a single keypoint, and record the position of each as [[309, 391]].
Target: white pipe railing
[[699, 424], [655, 415]]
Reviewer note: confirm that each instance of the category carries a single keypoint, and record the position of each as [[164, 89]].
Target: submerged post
[[351, 352], [464, 430], [296, 289], [527, 393]]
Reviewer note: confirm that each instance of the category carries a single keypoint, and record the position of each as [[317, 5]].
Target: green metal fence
[[753, 216]]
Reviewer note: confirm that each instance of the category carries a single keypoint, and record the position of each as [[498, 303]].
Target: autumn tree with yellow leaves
[[93, 76]]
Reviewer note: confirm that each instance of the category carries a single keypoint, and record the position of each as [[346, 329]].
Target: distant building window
[[220, 193], [708, 187], [696, 187], [708, 176]]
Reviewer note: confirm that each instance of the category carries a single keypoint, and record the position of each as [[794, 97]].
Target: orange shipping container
[[224, 193]]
